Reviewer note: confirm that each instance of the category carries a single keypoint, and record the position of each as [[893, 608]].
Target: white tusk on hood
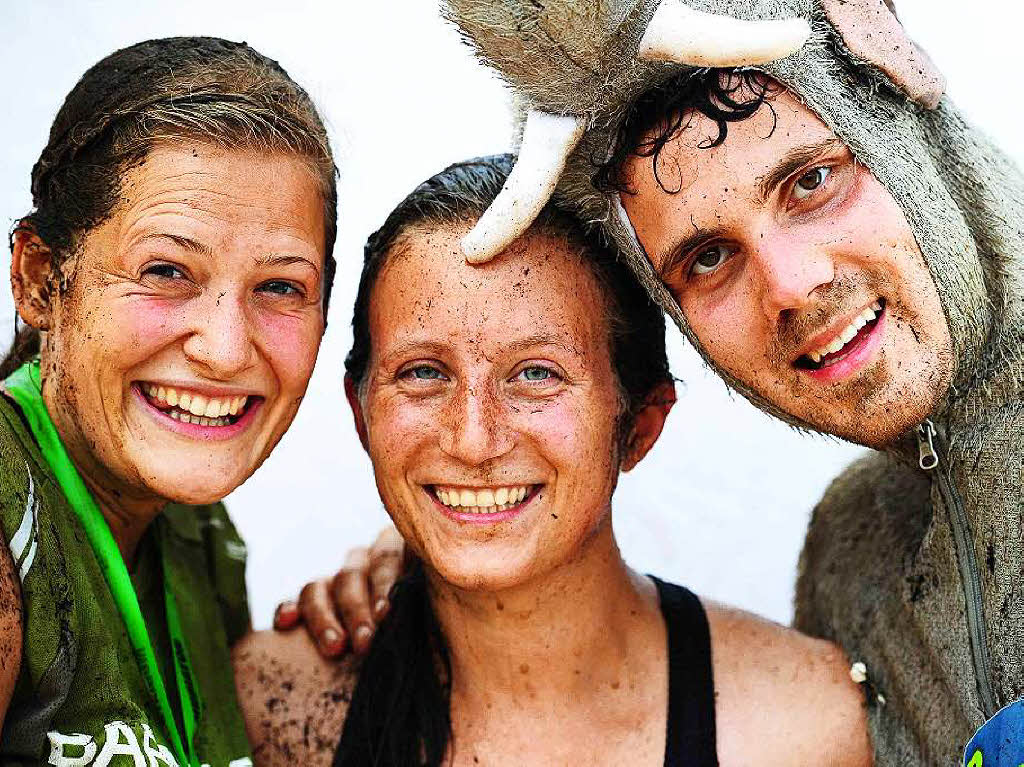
[[683, 35], [548, 140]]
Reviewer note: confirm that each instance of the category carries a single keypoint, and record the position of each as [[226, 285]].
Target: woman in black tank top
[[690, 734], [498, 406], [690, 714], [527, 483]]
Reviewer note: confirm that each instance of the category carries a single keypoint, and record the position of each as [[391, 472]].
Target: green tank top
[[81, 699]]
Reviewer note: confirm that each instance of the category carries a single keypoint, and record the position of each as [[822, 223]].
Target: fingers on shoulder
[[320, 618]]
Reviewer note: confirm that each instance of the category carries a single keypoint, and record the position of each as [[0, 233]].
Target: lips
[[192, 407], [482, 500], [845, 342], [483, 505]]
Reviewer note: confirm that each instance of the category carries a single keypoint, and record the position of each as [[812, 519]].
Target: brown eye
[[807, 183], [709, 260]]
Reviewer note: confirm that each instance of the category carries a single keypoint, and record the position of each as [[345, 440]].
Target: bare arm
[[10, 628], [293, 700], [783, 698]]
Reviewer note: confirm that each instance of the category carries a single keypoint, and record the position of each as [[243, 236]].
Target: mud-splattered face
[[797, 271], [178, 355], [490, 406]]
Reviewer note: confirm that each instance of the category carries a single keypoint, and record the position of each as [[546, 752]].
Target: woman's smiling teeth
[[484, 500], [870, 314], [191, 407]]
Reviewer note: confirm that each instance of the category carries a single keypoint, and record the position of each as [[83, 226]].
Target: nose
[[220, 343], [474, 428], [791, 270]]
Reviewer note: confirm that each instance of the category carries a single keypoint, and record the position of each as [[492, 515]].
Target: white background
[[721, 503]]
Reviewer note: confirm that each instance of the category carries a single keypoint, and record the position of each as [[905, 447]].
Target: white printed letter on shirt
[[83, 746]]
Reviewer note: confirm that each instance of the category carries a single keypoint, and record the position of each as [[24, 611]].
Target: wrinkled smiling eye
[[166, 271], [709, 260], [810, 181]]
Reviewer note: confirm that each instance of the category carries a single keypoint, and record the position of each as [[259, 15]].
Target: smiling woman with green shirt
[[174, 277]]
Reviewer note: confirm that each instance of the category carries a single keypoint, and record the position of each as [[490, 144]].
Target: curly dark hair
[[722, 95]]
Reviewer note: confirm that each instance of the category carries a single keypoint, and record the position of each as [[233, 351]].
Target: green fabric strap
[[24, 386]]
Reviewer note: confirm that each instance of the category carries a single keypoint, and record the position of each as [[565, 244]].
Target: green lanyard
[[24, 386]]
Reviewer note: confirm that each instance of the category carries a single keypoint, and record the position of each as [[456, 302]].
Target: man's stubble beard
[[877, 411]]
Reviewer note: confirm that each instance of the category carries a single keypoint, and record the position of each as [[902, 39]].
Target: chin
[[482, 573], [878, 431], [883, 422], [197, 490]]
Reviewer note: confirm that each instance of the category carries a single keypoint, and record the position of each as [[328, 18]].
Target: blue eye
[[280, 287], [535, 374], [424, 373]]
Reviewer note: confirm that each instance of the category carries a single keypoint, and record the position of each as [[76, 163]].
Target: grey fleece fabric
[[880, 573]]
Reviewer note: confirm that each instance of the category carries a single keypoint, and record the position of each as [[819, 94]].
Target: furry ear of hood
[[872, 33]]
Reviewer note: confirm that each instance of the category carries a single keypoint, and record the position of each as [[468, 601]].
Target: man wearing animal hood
[[914, 557]]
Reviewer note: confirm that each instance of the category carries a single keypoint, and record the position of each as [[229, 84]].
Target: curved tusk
[[547, 142], [681, 34]]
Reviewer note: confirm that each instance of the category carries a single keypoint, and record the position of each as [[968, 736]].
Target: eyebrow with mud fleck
[[790, 163], [677, 254]]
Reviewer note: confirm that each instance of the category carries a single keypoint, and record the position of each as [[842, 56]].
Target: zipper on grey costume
[[967, 563]]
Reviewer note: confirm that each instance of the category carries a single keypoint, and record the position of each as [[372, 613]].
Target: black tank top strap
[[690, 734]]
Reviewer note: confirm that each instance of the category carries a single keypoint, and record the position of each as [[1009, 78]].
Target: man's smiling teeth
[[486, 500], [190, 407], [848, 333]]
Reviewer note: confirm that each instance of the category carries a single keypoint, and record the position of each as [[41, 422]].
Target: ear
[[31, 272], [357, 409], [872, 33], [648, 423]]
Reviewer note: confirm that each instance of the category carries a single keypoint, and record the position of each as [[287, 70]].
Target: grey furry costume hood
[[918, 574]]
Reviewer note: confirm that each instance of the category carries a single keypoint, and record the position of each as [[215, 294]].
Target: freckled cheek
[[871, 233], [108, 336], [573, 438], [397, 430]]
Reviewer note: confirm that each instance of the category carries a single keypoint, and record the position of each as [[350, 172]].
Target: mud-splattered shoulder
[[293, 700]]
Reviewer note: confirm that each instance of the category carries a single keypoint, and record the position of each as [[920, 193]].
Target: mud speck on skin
[[294, 702]]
